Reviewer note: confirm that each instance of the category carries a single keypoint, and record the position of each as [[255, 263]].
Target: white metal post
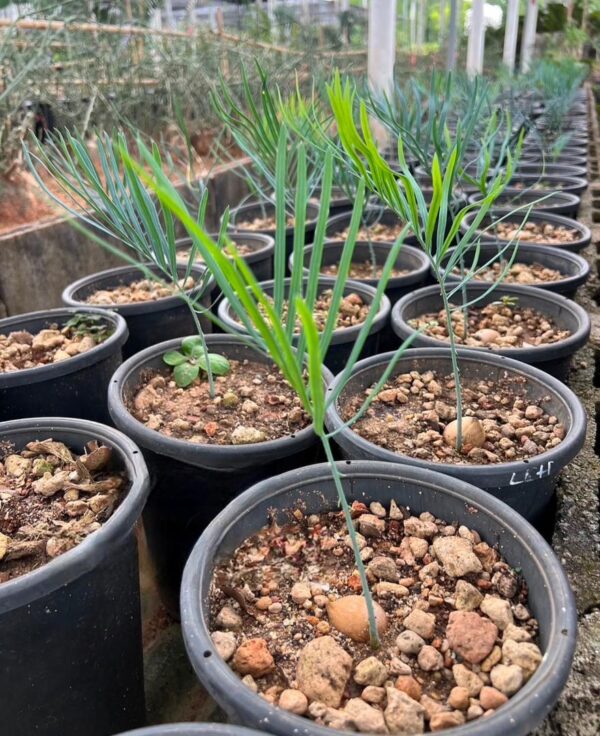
[[421, 21], [511, 33], [452, 36], [382, 53], [382, 45], [529, 31], [476, 39]]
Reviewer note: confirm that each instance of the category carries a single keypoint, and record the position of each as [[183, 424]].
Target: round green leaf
[[185, 374], [174, 357], [218, 363], [192, 345]]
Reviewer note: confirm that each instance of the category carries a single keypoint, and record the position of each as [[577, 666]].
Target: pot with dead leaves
[[59, 361], [520, 426], [204, 447], [475, 614], [537, 327], [71, 492], [154, 309]]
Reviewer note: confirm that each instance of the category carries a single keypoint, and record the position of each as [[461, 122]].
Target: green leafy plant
[[429, 221], [188, 362], [118, 206], [94, 325]]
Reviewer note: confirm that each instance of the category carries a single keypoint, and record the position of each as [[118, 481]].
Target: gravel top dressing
[[22, 349], [379, 232], [252, 403], [518, 273], [353, 311], [144, 290], [415, 415], [536, 233], [51, 500], [363, 270], [497, 325], [458, 640]]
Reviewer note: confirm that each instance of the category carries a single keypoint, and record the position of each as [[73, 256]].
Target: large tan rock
[[456, 556], [403, 715], [323, 671]]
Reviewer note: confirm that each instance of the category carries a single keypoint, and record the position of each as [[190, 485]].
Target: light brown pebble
[[459, 698], [489, 697], [410, 686], [373, 694], [430, 659], [293, 701], [440, 721]]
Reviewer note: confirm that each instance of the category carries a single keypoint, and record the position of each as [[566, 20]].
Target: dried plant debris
[[500, 324], [142, 290], [414, 414], [458, 639], [51, 500], [22, 349], [252, 403]]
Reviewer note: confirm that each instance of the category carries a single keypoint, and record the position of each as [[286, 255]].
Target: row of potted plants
[[255, 409]]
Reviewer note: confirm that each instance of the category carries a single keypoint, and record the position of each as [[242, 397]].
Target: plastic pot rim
[[50, 371], [312, 213], [565, 199], [267, 247], [568, 448], [585, 234], [215, 670], [192, 729], [535, 251], [93, 550], [411, 277], [560, 349], [340, 335], [181, 449], [132, 309]]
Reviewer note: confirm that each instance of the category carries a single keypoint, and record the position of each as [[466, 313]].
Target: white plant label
[[533, 473]]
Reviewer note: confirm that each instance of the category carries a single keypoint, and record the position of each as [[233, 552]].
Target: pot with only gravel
[[278, 635]]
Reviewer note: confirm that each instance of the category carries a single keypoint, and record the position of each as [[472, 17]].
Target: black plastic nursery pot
[[526, 486], [148, 322], [546, 168], [409, 259], [70, 631], [193, 482], [549, 182], [422, 490], [338, 203], [554, 358], [342, 341], [260, 259], [568, 158], [372, 216], [72, 388], [556, 203], [193, 729], [584, 233], [246, 213], [574, 269]]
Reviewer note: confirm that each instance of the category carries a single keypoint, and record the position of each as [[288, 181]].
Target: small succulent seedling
[[508, 301], [92, 325], [191, 359]]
